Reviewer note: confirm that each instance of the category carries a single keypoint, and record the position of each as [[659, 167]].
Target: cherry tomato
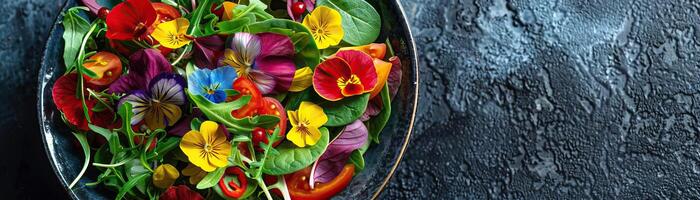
[[106, 65], [246, 87], [238, 189], [164, 12], [102, 13], [298, 8], [299, 189]]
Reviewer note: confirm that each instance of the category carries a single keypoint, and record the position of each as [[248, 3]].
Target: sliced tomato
[[299, 189], [106, 66], [165, 12], [270, 106], [232, 189], [246, 87]]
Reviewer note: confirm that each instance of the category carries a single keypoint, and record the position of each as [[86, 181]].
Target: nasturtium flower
[[302, 79], [325, 26], [164, 176], [173, 34], [347, 74], [195, 173], [131, 19], [377, 51], [207, 148], [265, 58], [305, 124], [144, 65], [160, 105], [211, 83], [180, 192]]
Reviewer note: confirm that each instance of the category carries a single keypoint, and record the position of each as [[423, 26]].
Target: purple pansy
[[158, 106], [144, 65], [207, 51], [265, 58]]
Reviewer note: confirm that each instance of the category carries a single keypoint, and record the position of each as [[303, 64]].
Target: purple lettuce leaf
[[207, 51], [331, 162], [394, 80], [276, 60], [144, 65]]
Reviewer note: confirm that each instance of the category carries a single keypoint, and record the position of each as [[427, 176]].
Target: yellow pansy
[[228, 10], [207, 148], [173, 34], [195, 173], [305, 123], [325, 26], [302, 79], [164, 176]]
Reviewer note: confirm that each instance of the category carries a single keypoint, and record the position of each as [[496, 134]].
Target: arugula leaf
[[235, 25], [211, 179], [361, 22], [377, 123], [292, 158], [75, 27], [346, 110], [134, 169], [221, 113], [307, 54], [86, 151], [140, 179]]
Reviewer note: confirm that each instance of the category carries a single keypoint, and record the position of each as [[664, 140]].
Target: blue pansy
[[211, 83]]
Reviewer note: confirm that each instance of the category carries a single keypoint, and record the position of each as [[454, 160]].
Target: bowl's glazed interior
[[380, 160]]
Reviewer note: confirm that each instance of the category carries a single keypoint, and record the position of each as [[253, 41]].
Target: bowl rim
[[47, 138]]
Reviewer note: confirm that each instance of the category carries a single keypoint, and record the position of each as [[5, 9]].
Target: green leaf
[[377, 123], [135, 169], [198, 14], [109, 4], [357, 160], [140, 179], [292, 158], [166, 145], [221, 113], [294, 99], [307, 54], [75, 27], [114, 146], [86, 152], [235, 25], [361, 22], [211, 179], [346, 110], [126, 113]]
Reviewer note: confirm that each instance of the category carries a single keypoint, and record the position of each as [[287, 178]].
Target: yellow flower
[[173, 34], [195, 173], [325, 26], [164, 176], [302, 79], [207, 148], [228, 10], [305, 123]]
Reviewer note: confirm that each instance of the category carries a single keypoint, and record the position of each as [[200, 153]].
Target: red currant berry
[[102, 13], [298, 8]]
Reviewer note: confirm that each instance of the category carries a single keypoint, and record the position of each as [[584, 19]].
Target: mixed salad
[[214, 99]]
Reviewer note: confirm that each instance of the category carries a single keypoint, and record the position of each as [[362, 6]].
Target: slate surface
[[522, 99]]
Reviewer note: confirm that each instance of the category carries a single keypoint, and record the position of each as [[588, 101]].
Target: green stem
[[264, 187], [81, 81]]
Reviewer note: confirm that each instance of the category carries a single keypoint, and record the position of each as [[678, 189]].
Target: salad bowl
[[381, 160]]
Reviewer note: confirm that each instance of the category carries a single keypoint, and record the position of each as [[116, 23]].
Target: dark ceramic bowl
[[381, 160]]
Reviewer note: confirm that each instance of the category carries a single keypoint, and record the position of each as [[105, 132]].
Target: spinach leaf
[[361, 23], [221, 113], [211, 179], [377, 123], [307, 54], [291, 158], [235, 25], [346, 110], [75, 27], [358, 160], [294, 99]]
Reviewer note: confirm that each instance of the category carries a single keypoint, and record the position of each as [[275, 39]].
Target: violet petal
[[207, 51], [331, 162], [280, 68], [143, 66]]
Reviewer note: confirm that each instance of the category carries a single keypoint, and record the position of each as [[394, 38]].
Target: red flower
[[180, 192], [67, 102], [347, 74], [131, 19]]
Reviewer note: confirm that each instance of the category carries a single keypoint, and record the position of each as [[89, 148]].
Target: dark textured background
[[519, 99]]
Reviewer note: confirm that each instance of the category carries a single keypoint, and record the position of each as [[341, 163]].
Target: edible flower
[[347, 74], [207, 51], [173, 34], [195, 173], [180, 192], [159, 106], [64, 96], [325, 26], [265, 58], [144, 65], [305, 123], [377, 51], [164, 176], [211, 83], [131, 19], [302, 79], [208, 147]]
